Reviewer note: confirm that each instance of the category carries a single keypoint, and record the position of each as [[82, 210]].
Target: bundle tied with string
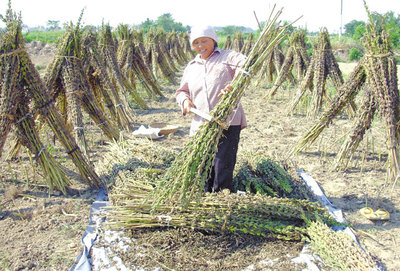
[[322, 66], [100, 81], [185, 179], [108, 49], [19, 85], [295, 58], [131, 63]]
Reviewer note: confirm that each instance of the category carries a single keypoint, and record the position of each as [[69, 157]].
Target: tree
[[232, 29], [53, 25], [167, 23], [359, 32], [351, 27], [146, 25]]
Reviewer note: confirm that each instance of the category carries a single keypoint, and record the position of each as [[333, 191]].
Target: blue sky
[[316, 13]]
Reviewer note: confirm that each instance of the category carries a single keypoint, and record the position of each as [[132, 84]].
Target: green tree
[[53, 25], [167, 23], [351, 27], [231, 29], [359, 32], [146, 25]]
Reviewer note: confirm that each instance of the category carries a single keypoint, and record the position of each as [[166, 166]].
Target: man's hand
[[187, 104], [224, 91]]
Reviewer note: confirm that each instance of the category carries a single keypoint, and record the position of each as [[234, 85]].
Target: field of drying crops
[[69, 116], [42, 231]]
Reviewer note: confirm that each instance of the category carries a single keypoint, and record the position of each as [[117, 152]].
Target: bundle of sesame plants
[[131, 62], [338, 250], [21, 84], [108, 49], [322, 66], [176, 49], [259, 174], [184, 181], [252, 214], [248, 44], [237, 41], [228, 43], [65, 74], [295, 58], [187, 48], [132, 167], [376, 70], [271, 67], [100, 81], [161, 62], [138, 38]]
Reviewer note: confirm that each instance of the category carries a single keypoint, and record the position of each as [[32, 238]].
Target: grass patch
[[44, 36]]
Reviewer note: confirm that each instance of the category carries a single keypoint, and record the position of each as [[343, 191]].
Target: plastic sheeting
[[83, 261]]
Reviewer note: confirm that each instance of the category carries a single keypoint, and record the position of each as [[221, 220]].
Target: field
[[42, 231]]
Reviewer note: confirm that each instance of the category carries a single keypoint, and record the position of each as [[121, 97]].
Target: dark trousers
[[221, 176]]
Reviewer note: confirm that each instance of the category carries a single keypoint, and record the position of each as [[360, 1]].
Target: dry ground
[[42, 231]]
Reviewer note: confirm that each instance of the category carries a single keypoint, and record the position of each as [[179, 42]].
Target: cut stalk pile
[[282, 218], [254, 214], [338, 250]]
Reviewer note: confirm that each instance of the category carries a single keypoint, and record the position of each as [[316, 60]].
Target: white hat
[[202, 31]]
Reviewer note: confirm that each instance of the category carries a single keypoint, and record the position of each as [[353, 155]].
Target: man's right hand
[[187, 104]]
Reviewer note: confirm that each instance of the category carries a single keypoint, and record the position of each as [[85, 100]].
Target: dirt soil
[[40, 230]]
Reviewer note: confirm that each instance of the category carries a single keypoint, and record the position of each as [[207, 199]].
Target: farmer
[[206, 78]]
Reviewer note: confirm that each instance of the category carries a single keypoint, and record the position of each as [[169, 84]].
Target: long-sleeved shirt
[[203, 81]]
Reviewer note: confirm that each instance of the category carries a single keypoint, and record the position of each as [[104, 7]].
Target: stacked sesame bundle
[[295, 58], [101, 82], [161, 61], [108, 49], [66, 78], [132, 64], [322, 66], [377, 69], [21, 83]]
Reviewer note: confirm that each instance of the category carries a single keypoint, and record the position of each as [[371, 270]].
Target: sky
[[314, 13]]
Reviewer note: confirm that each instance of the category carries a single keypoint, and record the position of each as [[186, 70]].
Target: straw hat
[[202, 31]]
